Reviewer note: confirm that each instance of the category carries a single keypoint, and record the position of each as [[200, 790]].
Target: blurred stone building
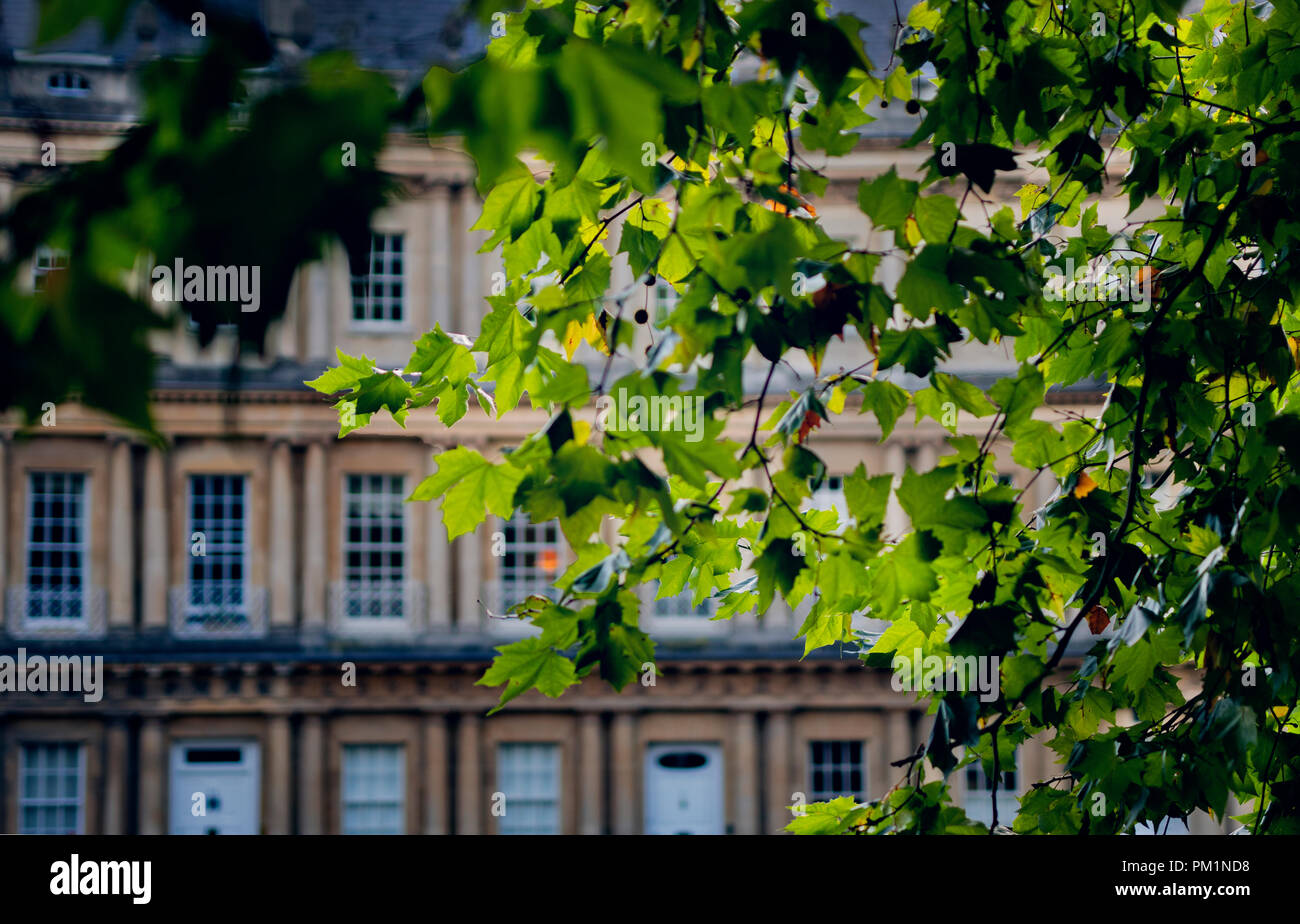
[[283, 635]]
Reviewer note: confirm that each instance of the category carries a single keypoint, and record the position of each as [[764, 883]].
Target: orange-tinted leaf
[[1085, 485], [811, 421], [1098, 619]]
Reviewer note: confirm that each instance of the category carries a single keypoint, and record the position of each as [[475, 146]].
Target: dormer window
[[67, 83]]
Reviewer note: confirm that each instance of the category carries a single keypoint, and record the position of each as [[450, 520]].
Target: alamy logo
[[103, 877], [181, 283], [55, 674], [933, 673], [658, 413]]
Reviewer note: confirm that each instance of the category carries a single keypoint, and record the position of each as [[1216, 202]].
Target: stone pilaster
[[624, 775], [591, 775], [121, 577], [469, 775], [156, 551], [314, 538], [281, 535]]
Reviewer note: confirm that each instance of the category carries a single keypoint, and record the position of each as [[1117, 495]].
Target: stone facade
[[322, 722]]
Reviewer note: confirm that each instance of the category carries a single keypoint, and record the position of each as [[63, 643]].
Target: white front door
[[683, 789], [215, 787]]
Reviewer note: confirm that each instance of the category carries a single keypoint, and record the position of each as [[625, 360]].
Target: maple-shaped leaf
[[979, 162], [1098, 620], [472, 486], [811, 421], [526, 664], [840, 302]]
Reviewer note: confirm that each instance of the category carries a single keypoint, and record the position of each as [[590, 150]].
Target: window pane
[[378, 295], [374, 552], [528, 775], [50, 791], [55, 534], [533, 559], [836, 769], [374, 788], [216, 587]]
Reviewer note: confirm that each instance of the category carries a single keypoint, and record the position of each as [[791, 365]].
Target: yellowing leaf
[[589, 330], [691, 54], [912, 231], [572, 337], [1085, 485], [1028, 194], [815, 357]]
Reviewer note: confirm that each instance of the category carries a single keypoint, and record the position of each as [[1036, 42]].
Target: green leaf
[[925, 285], [510, 205], [608, 100], [471, 487], [867, 498], [922, 496], [438, 357], [887, 200], [349, 371], [887, 401], [936, 216], [527, 664]]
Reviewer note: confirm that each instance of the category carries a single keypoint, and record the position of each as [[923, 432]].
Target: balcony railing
[[498, 596], [360, 608], [56, 612], [218, 610], [677, 618]]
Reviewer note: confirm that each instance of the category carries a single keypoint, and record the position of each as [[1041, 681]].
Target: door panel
[[684, 789], [227, 774]]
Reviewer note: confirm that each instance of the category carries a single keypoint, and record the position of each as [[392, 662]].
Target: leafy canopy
[[679, 118], [1198, 377]]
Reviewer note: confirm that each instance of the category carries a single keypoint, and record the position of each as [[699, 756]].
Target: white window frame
[[387, 304], [666, 300], [58, 801], [45, 262], [195, 612], [82, 547], [680, 605], [830, 496], [348, 779], [519, 581], [846, 765], [979, 797], [672, 616], [357, 592], [540, 765]]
